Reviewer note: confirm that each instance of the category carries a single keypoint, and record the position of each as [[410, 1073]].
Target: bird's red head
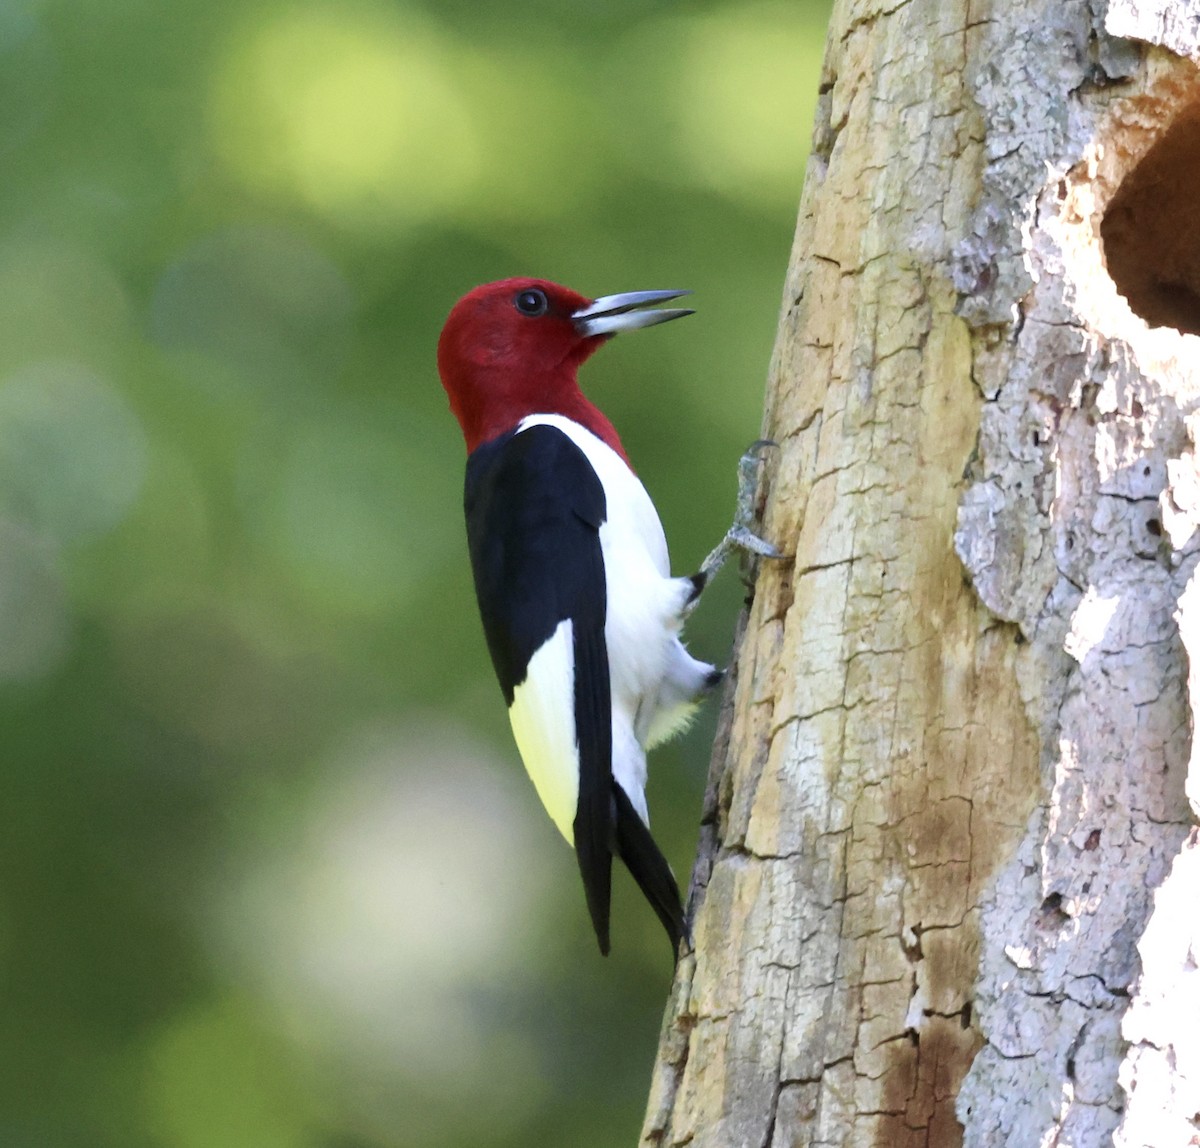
[[512, 348]]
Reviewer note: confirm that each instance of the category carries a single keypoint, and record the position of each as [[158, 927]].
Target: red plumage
[[499, 365]]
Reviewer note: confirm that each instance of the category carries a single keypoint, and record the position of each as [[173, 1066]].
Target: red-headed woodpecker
[[580, 611]]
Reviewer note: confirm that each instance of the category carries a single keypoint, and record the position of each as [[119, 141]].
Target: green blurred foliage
[[270, 873]]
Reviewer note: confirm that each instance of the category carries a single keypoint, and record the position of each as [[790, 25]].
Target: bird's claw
[[737, 537], [740, 536], [744, 539], [751, 454], [748, 468]]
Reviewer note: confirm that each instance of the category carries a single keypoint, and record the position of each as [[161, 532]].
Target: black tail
[[593, 851], [593, 733], [649, 867]]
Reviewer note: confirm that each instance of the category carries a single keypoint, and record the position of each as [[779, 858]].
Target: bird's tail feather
[[595, 864], [649, 867], [593, 812]]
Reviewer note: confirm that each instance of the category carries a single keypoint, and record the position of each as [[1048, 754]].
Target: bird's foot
[[739, 536]]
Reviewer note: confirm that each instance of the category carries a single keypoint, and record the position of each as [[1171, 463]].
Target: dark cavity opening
[[1151, 230], [1053, 916]]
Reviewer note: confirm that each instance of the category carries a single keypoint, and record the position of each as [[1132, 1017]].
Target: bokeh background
[[270, 873]]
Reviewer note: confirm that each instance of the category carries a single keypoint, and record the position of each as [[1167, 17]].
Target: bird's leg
[[739, 536]]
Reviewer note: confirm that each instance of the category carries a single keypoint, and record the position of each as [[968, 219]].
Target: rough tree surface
[[949, 889]]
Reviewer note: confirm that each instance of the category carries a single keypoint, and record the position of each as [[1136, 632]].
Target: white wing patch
[[543, 724]]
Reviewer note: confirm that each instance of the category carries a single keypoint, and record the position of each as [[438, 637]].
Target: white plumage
[[654, 680], [542, 716]]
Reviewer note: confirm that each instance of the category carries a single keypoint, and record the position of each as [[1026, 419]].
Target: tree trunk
[[948, 889]]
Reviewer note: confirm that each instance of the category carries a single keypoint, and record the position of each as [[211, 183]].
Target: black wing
[[534, 507]]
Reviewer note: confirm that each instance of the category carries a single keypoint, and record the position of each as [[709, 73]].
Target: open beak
[[613, 313]]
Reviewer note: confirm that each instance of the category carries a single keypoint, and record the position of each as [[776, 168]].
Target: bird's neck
[[488, 420]]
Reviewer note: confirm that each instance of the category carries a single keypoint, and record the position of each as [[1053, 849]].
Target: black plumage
[[534, 508]]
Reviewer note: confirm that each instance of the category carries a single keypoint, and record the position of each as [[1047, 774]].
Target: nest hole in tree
[[1151, 229]]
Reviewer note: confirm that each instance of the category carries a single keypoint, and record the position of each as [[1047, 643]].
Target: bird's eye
[[532, 302]]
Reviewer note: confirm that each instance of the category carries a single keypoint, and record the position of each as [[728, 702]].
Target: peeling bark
[[948, 889]]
